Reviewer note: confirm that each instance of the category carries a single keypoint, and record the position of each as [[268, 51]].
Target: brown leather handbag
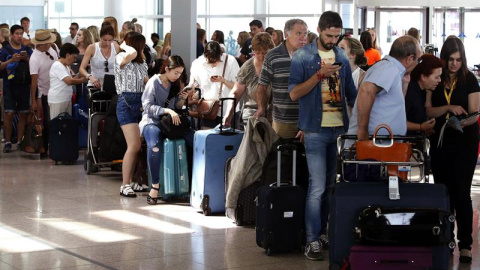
[[392, 152], [208, 109]]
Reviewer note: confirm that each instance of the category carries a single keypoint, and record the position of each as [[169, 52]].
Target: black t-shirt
[[247, 49], [415, 105]]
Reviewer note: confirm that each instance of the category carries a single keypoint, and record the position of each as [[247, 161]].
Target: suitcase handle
[[293, 148], [222, 102]]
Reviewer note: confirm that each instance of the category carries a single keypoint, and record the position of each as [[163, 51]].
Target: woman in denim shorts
[[130, 79]]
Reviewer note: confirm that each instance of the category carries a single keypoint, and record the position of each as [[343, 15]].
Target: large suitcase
[[280, 212], [245, 210], [351, 198], [63, 139], [391, 258], [174, 170], [211, 150]]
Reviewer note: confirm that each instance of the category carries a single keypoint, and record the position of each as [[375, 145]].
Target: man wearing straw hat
[[41, 61]]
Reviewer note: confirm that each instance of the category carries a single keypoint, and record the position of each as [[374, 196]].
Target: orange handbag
[[392, 152]]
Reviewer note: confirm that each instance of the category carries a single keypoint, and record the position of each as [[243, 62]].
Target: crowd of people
[[309, 86]]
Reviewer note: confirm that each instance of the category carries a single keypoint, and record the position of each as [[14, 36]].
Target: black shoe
[[324, 241], [465, 256], [150, 199], [43, 155]]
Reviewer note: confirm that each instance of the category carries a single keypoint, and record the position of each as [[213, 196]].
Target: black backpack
[[22, 71]]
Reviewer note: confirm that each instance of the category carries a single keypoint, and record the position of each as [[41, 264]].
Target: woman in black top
[[453, 163], [425, 77]]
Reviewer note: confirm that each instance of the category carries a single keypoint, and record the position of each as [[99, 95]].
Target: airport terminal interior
[[58, 217]]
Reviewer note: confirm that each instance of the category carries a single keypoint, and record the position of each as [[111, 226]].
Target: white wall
[[22, 3]]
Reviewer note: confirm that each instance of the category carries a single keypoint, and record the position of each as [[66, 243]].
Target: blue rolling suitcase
[[63, 139], [349, 199], [211, 149], [174, 170], [81, 115]]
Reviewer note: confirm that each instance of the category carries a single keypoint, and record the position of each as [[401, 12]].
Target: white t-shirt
[[40, 64], [59, 90], [69, 39]]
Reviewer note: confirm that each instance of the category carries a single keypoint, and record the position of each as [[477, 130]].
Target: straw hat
[[43, 37]]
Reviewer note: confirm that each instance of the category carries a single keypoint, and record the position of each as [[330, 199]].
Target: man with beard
[[321, 80], [275, 72]]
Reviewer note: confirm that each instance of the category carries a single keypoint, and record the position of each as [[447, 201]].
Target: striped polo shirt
[[276, 71]]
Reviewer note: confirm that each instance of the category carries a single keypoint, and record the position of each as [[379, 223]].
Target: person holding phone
[[321, 80], [453, 163]]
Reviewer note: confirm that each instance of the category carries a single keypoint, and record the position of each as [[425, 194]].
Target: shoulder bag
[[208, 109], [169, 129]]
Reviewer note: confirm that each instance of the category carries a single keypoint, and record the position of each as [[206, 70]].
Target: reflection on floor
[[57, 217]]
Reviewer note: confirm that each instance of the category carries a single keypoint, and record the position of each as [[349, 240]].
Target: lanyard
[[448, 96]]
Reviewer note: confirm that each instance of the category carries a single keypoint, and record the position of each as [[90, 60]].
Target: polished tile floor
[[57, 217]]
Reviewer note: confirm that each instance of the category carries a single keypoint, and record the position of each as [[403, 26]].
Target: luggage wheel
[[205, 205], [269, 251]]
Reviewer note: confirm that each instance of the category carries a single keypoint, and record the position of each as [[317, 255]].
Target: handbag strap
[[223, 76]]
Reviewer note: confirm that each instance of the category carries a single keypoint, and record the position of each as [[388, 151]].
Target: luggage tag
[[393, 189]]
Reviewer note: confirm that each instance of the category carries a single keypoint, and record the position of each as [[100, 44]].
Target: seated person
[[160, 88]]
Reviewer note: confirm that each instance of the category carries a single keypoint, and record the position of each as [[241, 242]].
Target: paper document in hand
[[455, 122]]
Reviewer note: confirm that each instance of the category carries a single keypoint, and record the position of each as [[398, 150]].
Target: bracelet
[[320, 76]]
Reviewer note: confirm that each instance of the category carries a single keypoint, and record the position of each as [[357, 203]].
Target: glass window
[[392, 26], [472, 38], [279, 22], [230, 28], [13, 14], [222, 7], [346, 11], [296, 7], [84, 8]]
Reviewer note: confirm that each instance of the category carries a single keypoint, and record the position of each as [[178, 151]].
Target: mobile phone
[[23, 52], [337, 64], [215, 76]]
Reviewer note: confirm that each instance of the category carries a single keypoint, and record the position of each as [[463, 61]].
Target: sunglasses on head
[[49, 55], [106, 65]]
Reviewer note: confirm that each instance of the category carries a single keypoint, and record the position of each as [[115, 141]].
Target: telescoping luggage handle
[[222, 102], [290, 147]]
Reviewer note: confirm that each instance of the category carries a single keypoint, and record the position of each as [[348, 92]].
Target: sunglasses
[[49, 55], [106, 66]]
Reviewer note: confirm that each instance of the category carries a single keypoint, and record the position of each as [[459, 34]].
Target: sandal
[[138, 187], [127, 191], [150, 199]]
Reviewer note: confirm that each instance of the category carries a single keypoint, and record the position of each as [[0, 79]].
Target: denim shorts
[[16, 98], [125, 113]]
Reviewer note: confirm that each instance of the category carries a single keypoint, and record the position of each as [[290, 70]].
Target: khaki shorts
[[58, 108], [285, 131]]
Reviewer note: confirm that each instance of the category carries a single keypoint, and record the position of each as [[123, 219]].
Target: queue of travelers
[[307, 86]]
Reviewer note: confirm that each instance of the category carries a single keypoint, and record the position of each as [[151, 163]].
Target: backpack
[[22, 71]]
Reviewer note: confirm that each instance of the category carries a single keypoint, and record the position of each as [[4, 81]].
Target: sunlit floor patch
[[14, 241]]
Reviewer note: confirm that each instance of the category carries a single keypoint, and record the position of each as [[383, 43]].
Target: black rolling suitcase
[[281, 212], [63, 139], [350, 199], [245, 210]]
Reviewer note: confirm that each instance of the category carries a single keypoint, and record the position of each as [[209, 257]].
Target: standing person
[[159, 88], [356, 57], [275, 72], [41, 61], [424, 77], [277, 37], [73, 33], [113, 22], [16, 95], [414, 33], [201, 42], [247, 78], [372, 54], [256, 26], [241, 39], [167, 43], [323, 93], [25, 23], [206, 73], [375, 42], [83, 39], [380, 98], [454, 161], [130, 79], [61, 81], [101, 57], [219, 37], [95, 33]]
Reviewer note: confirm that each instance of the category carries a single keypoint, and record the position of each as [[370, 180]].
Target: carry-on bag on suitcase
[[211, 150], [349, 199], [280, 212], [63, 139], [174, 170], [245, 210], [391, 258]]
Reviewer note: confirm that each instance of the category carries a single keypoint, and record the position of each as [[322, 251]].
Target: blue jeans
[[321, 152], [154, 139], [125, 115]]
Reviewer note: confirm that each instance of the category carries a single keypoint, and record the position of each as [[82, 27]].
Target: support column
[[184, 30]]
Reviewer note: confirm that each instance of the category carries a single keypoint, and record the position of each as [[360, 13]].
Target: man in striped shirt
[[275, 72]]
